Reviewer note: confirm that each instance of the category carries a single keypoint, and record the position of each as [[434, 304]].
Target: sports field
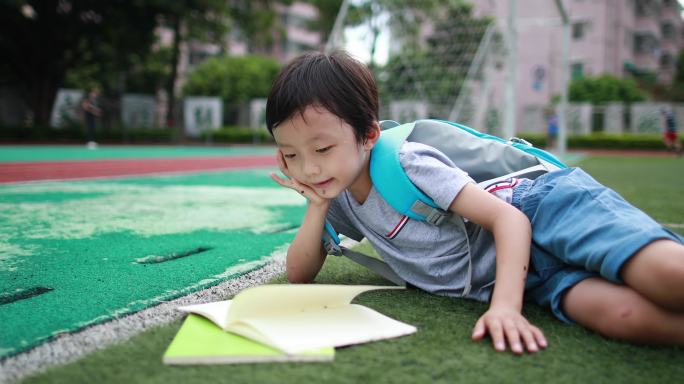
[[83, 252]]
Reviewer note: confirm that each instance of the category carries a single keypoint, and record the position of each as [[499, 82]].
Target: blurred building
[[293, 19], [620, 37]]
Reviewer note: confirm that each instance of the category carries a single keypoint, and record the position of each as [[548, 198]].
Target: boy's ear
[[372, 136]]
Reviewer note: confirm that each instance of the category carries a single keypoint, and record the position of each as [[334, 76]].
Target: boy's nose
[[311, 168]]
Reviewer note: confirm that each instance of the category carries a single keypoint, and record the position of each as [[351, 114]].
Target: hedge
[[130, 135], [76, 133], [603, 141]]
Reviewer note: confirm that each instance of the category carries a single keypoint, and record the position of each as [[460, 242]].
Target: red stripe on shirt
[[502, 185], [398, 227]]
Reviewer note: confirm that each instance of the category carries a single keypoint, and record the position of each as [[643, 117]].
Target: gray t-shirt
[[432, 258]]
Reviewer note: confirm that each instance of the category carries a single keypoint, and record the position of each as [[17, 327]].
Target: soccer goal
[[431, 59], [457, 61]]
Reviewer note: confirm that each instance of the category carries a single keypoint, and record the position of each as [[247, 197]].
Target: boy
[[593, 258]]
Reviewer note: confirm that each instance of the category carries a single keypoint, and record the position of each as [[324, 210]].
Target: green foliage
[[77, 134], [234, 79], [603, 141], [676, 90], [258, 21], [103, 37], [603, 89], [616, 141], [327, 14], [232, 134], [145, 73], [439, 67]]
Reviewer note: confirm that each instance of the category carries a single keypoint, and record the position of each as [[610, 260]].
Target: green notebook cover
[[199, 341]]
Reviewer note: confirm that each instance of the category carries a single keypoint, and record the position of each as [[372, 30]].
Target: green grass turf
[[87, 245], [441, 350], [654, 184], [80, 152]]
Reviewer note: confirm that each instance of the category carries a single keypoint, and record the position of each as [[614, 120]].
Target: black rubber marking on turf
[[156, 259], [22, 294]]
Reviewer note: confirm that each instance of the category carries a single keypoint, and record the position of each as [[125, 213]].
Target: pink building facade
[[618, 37]]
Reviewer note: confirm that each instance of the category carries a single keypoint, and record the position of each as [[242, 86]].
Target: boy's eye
[[288, 155], [324, 150]]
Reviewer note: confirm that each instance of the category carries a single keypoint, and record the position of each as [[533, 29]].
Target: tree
[[434, 67], [200, 20], [405, 18], [604, 88], [234, 79], [257, 20], [210, 21], [42, 39], [327, 14], [676, 91]]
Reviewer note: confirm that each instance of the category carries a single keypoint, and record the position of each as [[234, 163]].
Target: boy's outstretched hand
[[292, 183], [506, 325]]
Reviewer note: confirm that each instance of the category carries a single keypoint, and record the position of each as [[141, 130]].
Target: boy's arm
[[306, 254], [512, 235]]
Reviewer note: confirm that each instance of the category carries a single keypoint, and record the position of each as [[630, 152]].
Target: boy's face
[[321, 151]]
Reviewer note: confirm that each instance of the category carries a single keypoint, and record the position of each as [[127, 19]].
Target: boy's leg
[[657, 272], [620, 312]]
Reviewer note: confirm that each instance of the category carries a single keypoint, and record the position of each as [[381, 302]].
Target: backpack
[[487, 159]]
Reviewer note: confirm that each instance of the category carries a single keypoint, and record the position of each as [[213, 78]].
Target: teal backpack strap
[[390, 180]]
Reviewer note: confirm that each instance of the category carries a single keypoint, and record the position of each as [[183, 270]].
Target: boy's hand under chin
[[292, 183]]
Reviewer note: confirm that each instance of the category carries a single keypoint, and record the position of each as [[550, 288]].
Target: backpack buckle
[[514, 140], [331, 248], [437, 216]]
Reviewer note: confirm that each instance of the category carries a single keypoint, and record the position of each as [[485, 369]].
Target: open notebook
[[294, 319], [199, 341]]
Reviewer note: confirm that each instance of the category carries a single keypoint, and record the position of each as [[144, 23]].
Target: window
[[198, 56], [645, 43], [577, 70], [579, 30], [668, 31], [666, 60]]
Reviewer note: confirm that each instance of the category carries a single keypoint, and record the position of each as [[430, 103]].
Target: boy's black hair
[[336, 81]]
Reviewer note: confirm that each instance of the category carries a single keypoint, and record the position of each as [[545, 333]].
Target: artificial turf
[[11, 153], [441, 350], [74, 254]]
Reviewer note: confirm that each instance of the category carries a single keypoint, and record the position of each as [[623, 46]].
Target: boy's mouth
[[323, 184]]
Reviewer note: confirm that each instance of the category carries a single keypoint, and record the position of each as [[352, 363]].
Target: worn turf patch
[[73, 254]]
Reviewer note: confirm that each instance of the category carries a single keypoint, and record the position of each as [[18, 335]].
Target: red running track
[[12, 172]]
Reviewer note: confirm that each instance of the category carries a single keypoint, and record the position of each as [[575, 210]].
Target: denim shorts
[[580, 229]]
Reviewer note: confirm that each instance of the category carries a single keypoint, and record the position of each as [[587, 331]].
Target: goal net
[[431, 58]]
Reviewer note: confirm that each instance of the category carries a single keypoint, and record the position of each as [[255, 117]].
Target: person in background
[[91, 112], [551, 128], [670, 138]]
